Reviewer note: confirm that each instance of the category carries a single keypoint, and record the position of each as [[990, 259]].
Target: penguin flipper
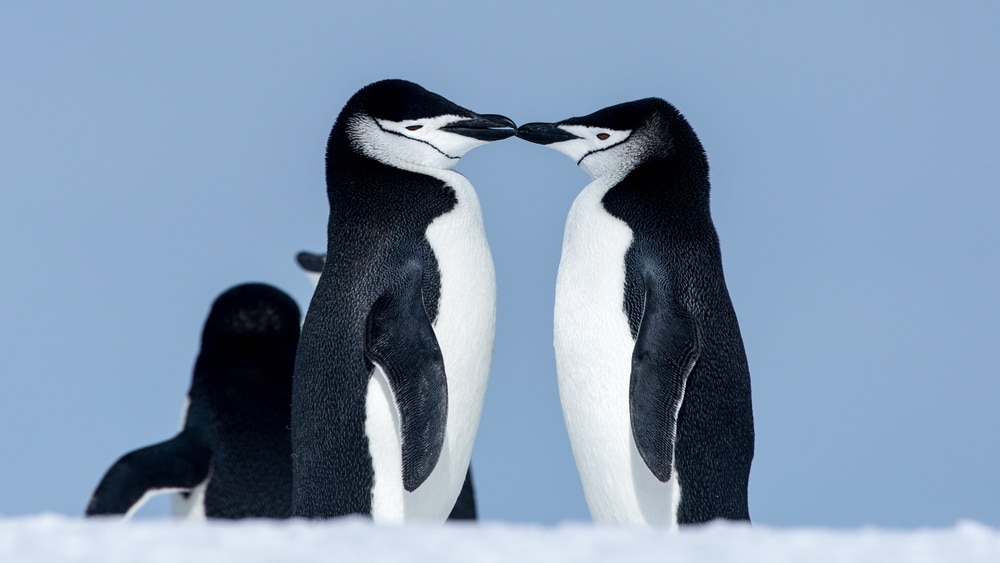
[[311, 262], [667, 345], [179, 463], [401, 341]]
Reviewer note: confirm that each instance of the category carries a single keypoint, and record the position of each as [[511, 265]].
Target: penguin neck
[[610, 167], [244, 376], [372, 202], [661, 189]]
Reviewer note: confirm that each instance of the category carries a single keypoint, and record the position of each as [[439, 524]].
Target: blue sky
[[154, 156]]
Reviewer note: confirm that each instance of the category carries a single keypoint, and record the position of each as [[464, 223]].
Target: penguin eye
[[413, 127], [603, 136]]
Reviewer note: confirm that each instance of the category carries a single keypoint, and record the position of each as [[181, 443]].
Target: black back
[[665, 201], [378, 216], [241, 393], [465, 505], [236, 429]]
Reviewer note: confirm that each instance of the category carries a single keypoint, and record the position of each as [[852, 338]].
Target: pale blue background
[[153, 156]]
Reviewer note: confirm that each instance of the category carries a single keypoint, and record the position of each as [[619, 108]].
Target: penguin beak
[[485, 127], [544, 133]]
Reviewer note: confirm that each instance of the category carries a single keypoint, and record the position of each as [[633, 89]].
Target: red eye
[[603, 136], [413, 127]]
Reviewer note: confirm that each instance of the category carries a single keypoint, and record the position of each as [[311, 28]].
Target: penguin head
[[242, 378], [616, 139], [248, 345], [401, 124], [252, 310]]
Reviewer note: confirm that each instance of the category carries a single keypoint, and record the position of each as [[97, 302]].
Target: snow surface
[[48, 538]]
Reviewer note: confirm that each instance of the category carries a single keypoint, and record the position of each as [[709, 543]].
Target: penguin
[[396, 346], [232, 459], [465, 507], [653, 377]]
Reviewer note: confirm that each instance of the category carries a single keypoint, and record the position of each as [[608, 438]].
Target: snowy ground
[[46, 538]]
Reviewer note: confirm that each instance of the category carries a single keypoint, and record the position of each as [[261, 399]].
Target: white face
[[598, 151], [419, 142]]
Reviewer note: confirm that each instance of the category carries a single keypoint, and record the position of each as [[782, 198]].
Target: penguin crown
[[616, 139], [401, 124], [251, 309]]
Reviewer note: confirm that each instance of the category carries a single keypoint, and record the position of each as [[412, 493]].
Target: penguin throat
[[612, 164]]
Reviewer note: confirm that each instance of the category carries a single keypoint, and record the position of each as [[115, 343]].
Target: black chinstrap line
[[604, 149], [446, 155]]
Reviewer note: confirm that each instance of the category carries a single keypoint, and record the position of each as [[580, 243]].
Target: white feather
[[383, 431]]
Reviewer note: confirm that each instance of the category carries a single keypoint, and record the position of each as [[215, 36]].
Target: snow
[[50, 538]]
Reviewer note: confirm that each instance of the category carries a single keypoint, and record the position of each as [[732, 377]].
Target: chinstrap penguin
[[653, 376], [232, 459], [395, 351]]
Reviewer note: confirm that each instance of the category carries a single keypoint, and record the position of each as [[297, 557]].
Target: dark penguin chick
[[395, 352], [653, 376], [234, 450], [465, 507]]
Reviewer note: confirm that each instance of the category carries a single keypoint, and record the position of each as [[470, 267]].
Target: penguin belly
[[464, 329], [382, 429], [594, 346]]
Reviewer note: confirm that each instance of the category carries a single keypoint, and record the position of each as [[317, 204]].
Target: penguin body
[[232, 459], [465, 507], [653, 376], [396, 346]]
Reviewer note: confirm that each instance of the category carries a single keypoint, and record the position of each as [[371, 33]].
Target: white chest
[[464, 329], [591, 328], [594, 345]]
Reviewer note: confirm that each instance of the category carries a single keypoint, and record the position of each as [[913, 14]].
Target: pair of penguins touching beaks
[[391, 365]]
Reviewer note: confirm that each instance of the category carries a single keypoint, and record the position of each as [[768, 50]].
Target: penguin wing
[[179, 463], [667, 345], [311, 262], [401, 341]]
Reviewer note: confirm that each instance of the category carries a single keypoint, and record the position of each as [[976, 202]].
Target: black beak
[[311, 262], [486, 127], [544, 133]]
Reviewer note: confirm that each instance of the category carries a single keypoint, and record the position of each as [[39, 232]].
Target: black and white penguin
[[653, 377], [232, 459], [395, 352], [465, 507]]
